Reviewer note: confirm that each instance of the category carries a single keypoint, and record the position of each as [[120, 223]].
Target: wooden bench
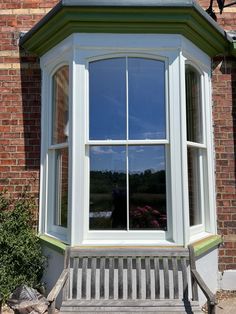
[[129, 280]]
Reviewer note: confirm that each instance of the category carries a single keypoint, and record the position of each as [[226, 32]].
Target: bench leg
[[1, 299], [51, 308], [211, 308]]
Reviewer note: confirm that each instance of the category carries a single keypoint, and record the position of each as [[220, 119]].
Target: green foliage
[[21, 260]]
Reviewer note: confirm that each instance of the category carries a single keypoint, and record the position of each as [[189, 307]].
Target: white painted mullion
[[202, 186], [166, 144], [210, 214], [182, 176], [51, 188], [70, 152], [58, 190], [79, 169], [203, 108], [127, 138], [43, 156]]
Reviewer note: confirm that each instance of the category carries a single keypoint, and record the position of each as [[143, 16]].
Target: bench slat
[[157, 278], [175, 277], [121, 252], [84, 278], [120, 278], [74, 278], [111, 278], [65, 291], [138, 278], [161, 303], [166, 278], [93, 277], [185, 279], [102, 278], [129, 277], [148, 278]]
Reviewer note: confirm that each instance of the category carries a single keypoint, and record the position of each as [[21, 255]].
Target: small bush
[[21, 259]]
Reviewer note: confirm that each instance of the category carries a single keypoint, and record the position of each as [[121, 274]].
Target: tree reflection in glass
[[147, 188], [108, 197]]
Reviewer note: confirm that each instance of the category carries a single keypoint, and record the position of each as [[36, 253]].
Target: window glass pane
[[193, 105], [146, 92], [194, 185], [61, 187], [147, 187], [107, 99], [108, 205], [60, 105]]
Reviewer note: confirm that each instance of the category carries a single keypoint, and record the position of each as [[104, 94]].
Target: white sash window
[[127, 141]]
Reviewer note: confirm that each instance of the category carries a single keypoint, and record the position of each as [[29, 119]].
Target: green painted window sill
[[205, 245], [200, 247], [53, 244]]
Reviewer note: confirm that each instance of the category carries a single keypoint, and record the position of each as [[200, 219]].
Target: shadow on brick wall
[[31, 105]]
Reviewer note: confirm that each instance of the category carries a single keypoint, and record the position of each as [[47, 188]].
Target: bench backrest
[[126, 273]]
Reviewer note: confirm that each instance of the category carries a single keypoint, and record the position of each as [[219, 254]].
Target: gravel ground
[[221, 296]]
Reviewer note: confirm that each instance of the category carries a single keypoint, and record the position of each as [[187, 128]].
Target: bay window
[[127, 147]]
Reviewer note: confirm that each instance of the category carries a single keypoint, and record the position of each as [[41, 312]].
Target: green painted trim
[[233, 49], [207, 244], [52, 243], [200, 247], [185, 21]]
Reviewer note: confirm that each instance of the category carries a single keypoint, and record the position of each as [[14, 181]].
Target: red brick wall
[[224, 128], [19, 97], [20, 114], [224, 116]]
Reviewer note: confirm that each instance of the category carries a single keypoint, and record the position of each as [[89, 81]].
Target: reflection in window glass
[[146, 98], [108, 199], [60, 105], [117, 87], [193, 105], [107, 99], [61, 187], [194, 185], [147, 187]]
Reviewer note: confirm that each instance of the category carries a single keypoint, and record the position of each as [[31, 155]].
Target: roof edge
[[126, 5]]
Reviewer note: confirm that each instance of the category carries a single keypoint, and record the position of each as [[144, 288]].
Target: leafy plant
[[148, 218], [21, 259]]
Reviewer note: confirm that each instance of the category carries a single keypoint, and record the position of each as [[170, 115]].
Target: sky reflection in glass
[[146, 88], [110, 93], [107, 99]]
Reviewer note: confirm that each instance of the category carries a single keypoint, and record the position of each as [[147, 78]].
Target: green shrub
[[21, 259]]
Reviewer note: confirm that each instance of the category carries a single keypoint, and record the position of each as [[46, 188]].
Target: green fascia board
[[156, 20]]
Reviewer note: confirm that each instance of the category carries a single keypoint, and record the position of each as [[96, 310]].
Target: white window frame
[[76, 51], [121, 235]]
